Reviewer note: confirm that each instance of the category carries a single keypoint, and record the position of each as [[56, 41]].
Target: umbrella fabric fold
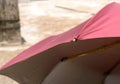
[[36, 64]]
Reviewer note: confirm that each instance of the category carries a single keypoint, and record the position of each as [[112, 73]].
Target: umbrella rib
[[112, 68], [100, 49]]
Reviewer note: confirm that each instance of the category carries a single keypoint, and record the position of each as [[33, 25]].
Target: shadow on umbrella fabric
[[87, 54]]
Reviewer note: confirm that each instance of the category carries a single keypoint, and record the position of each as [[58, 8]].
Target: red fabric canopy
[[106, 23]]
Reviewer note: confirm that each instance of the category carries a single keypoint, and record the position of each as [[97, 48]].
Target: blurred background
[[26, 22]]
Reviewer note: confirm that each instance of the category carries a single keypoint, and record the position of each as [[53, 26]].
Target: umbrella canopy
[[38, 64]]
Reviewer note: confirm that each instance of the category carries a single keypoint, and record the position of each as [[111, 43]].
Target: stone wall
[[9, 22]]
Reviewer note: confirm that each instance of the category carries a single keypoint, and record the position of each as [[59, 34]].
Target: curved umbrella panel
[[97, 68], [70, 72], [104, 24]]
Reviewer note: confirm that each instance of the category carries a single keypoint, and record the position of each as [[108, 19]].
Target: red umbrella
[[96, 35]]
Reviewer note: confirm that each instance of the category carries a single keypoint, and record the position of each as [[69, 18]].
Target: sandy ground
[[44, 19], [38, 21]]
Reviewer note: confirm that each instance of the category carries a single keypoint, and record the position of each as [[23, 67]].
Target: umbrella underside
[[100, 49]]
